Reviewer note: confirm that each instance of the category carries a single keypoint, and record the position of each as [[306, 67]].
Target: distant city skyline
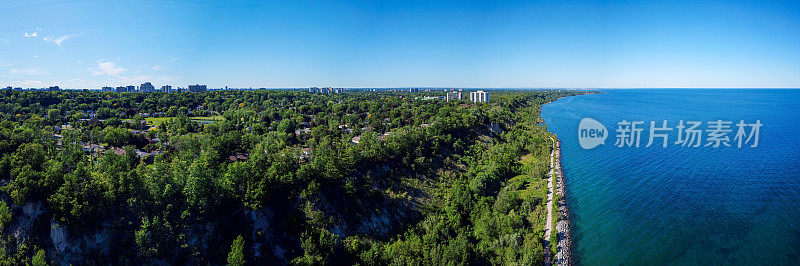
[[400, 44]]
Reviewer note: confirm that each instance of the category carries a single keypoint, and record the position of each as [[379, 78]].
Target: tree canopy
[[272, 177]]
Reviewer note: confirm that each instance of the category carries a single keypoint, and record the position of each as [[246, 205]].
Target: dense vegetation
[[277, 177]]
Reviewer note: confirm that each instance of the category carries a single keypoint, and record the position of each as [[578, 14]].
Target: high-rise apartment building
[[479, 96], [147, 87], [197, 88], [453, 96]]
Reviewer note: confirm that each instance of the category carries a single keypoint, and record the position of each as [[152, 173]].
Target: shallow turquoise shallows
[[682, 205]]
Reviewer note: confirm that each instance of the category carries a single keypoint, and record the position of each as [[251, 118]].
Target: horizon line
[[416, 87]]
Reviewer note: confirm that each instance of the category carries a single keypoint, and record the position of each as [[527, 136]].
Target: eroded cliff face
[[33, 218], [73, 248], [34, 223], [22, 227]]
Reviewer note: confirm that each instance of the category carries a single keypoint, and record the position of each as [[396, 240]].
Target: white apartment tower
[[453, 96], [479, 96]]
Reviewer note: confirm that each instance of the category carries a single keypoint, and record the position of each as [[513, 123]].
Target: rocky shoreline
[[563, 255]]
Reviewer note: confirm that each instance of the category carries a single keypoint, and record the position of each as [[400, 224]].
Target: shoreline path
[[548, 227]]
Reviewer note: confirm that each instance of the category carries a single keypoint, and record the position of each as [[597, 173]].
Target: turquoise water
[[681, 205]]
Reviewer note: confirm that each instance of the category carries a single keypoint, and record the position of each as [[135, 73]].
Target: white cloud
[[29, 71], [135, 79], [169, 79], [158, 67], [60, 39], [29, 83], [29, 35], [7, 64], [106, 68], [111, 69], [64, 84]]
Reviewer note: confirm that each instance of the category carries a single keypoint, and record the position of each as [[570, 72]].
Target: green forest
[[273, 177]]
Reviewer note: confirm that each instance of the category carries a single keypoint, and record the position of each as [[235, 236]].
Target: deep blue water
[[681, 205]]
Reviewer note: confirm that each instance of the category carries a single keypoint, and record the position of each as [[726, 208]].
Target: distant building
[[453, 96], [108, 89], [122, 89], [197, 88], [479, 96], [131, 88], [166, 88], [325, 90], [8, 88], [53, 88], [147, 87], [413, 90]]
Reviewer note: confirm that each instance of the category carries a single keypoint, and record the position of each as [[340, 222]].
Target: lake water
[[683, 205]]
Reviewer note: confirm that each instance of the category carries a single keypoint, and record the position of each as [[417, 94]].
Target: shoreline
[[563, 254], [564, 235]]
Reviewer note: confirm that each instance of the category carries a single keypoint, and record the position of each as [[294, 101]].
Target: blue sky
[[89, 44]]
